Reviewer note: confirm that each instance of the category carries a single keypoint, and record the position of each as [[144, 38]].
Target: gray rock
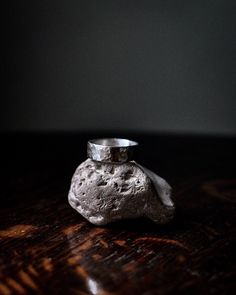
[[105, 192]]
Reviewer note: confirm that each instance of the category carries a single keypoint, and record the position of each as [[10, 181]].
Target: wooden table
[[48, 248]]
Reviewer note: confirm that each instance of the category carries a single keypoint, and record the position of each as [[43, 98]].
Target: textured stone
[[105, 192]]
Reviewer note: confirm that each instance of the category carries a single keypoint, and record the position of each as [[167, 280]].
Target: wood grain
[[46, 247]]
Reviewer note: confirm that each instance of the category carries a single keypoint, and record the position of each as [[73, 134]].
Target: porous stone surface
[[106, 192]]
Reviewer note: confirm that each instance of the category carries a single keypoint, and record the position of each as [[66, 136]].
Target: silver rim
[[111, 150]]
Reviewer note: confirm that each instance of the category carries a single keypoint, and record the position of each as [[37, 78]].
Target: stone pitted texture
[[105, 192]]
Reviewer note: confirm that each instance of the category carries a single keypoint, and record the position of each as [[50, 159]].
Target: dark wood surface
[[48, 248]]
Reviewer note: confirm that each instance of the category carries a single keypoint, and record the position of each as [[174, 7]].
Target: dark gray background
[[123, 65]]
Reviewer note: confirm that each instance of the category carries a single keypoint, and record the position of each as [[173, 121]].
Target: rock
[[105, 192]]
